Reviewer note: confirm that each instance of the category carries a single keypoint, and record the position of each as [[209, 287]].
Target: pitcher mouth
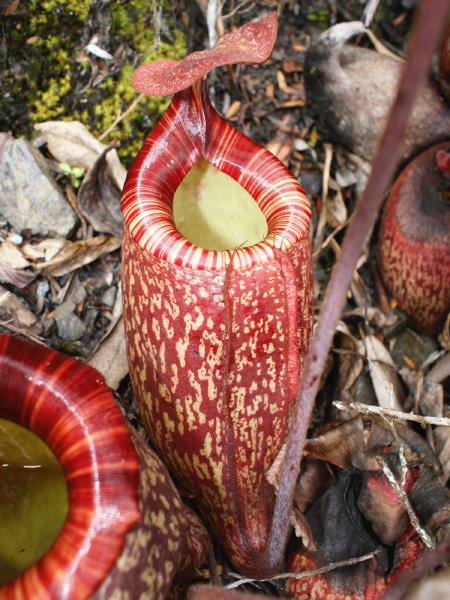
[[60, 400], [191, 130]]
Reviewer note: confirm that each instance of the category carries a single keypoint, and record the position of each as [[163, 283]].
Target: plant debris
[[373, 488]]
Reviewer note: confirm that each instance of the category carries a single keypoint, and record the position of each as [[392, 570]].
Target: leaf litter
[[381, 425]]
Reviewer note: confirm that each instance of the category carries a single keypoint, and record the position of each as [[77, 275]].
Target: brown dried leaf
[[428, 395], [431, 501], [44, 250], [281, 80], [9, 7], [339, 444], [76, 254], [281, 148], [336, 210], [384, 376], [71, 142], [314, 479], [444, 337], [110, 356], [442, 446], [340, 533], [233, 110], [12, 263], [13, 311], [20, 279], [351, 362], [11, 256], [99, 198], [383, 507], [292, 66]]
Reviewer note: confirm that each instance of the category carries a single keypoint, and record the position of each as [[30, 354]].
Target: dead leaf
[[441, 369], [12, 265], [11, 256], [431, 500], [44, 250], [9, 7], [233, 110], [442, 445], [281, 80], [110, 357], [270, 91], [444, 337], [71, 142], [292, 66], [314, 479], [336, 210], [351, 362], [14, 311], [99, 198], [428, 395], [74, 255], [281, 148], [383, 507], [340, 444], [339, 532], [384, 376], [20, 279], [292, 104]]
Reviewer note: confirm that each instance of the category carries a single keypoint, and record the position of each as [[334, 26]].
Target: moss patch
[[45, 72]]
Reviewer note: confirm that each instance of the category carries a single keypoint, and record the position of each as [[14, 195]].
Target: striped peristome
[[216, 339], [127, 533]]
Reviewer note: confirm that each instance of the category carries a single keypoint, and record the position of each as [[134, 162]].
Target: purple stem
[[430, 21], [427, 562]]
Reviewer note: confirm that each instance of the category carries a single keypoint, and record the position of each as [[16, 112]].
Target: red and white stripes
[[191, 124], [68, 405]]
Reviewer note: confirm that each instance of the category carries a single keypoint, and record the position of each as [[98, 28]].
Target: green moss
[[52, 78]]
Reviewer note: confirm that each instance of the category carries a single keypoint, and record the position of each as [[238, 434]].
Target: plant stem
[[428, 27]]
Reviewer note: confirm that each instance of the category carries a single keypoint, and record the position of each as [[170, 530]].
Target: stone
[[70, 327], [109, 296], [29, 198]]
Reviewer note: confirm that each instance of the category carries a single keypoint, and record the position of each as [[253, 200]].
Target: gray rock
[[70, 327], [109, 296], [29, 198]]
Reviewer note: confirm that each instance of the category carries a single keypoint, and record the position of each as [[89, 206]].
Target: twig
[[121, 117], [425, 564], [431, 18], [381, 48], [156, 22], [301, 574], [369, 12], [424, 536], [367, 409], [325, 187], [330, 238], [236, 9], [211, 18]]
